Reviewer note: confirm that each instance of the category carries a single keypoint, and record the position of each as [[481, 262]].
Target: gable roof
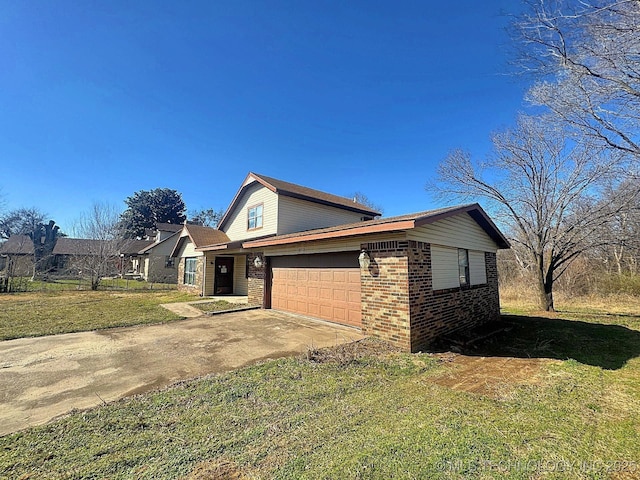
[[390, 224], [169, 227], [17, 245], [132, 247], [200, 236], [173, 237], [287, 189], [77, 246]]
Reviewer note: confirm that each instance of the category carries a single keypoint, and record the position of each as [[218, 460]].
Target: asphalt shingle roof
[[17, 245]]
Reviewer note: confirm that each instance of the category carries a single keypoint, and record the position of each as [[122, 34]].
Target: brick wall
[[255, 279], [385, 296], [197, 288], [400, 306], [435, 313]]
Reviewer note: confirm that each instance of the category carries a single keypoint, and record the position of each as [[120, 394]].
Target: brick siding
[[441, 312], [384, 293], [399, 304], [197, 288], [255, 279]]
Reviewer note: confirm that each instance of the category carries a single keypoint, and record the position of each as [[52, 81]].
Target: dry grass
[[215, 470], [219, 306], [523, 298], [34, 314], [350, 353]]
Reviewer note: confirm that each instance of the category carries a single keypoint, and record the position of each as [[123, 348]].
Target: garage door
[[325, 286]]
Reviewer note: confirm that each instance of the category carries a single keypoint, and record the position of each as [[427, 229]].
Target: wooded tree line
[[564, 180]]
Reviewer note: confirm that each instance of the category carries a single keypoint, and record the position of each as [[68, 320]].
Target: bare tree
[[206, 217], [586, 53], [98, 255], [546, 189], [362, 199], [21, 221], [622, 251]]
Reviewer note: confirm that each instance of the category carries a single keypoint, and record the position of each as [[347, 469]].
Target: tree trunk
[[545, 289]]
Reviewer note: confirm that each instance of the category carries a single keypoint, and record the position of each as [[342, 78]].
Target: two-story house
[[406, 279]]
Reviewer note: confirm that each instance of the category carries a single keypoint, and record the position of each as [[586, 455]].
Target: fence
[[25, 284]]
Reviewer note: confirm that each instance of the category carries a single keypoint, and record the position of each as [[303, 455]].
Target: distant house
[[17, 256], [155, 261], [191, 263], [130, 258], [406, 279], [75, 255]]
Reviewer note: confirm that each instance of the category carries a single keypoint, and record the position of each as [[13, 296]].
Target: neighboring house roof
[[402, 222], [169, 227], [297, 191], [17, 245], [132, 247], [229, 245], [200, 236], [173, 237], [77, 246]]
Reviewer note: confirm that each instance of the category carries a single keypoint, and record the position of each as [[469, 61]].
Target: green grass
[[35, 314], [374, 415]]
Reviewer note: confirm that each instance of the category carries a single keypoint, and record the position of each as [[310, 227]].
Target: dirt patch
[[345, 354], [495, 377]]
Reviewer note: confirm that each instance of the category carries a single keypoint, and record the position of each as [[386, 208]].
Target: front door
[[224, 275]]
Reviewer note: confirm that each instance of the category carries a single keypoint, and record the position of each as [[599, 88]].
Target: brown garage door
[[325, 286]]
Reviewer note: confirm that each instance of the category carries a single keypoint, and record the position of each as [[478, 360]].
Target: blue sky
[[99, 99]]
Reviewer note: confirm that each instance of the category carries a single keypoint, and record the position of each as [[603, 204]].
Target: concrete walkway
[[42, 378]]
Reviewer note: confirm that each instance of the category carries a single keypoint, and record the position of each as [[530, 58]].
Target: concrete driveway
[[42, 378]]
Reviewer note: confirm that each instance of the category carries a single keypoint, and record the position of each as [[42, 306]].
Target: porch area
[[225, 277]]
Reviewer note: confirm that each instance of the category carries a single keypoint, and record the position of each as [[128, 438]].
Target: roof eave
[[351, 232], [212, 248], [224, 218], [287, 193]]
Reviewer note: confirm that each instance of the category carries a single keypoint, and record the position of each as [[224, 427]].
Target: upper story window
[[254, 217]]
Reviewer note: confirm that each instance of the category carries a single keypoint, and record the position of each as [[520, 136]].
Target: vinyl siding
[[295, 215], [163, 249], [188, 250], [477, 268], [209, 271], [444, 265], [330, 246], [157, 271], [236, 227], [459, 231], [240, 284]]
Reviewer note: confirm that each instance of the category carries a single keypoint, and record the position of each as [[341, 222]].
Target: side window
[[463, 266], [254, 217], [190, 271], [169, 262], [477, 268]]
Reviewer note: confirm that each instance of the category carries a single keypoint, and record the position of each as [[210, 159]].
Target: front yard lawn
[[35, 313], [540, 400]]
